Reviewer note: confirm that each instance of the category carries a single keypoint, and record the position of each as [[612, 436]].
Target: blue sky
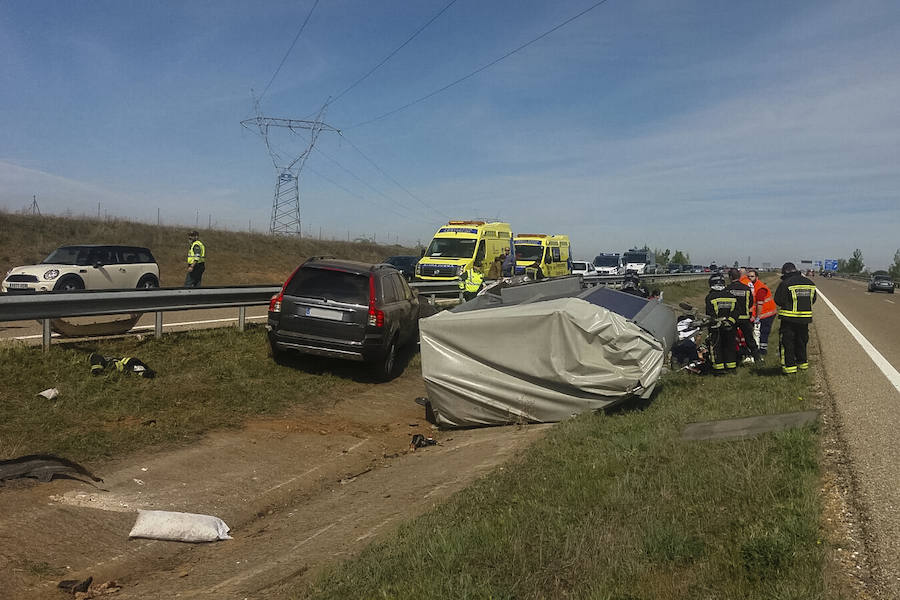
[[767, 130]]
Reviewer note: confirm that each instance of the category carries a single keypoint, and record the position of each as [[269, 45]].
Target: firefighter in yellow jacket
[[470, 282], [795, 297]]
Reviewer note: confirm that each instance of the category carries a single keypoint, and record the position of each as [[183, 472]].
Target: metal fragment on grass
[[747, 426]]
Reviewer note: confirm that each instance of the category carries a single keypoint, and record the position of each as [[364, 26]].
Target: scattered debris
[[44, 467], [747, 426], [179, 527], [138, 481], [49, 393], [74, 585], [350, 478], [420, 441], [128, 364]]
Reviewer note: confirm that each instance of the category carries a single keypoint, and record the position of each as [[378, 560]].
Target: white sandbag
[[179, 527]]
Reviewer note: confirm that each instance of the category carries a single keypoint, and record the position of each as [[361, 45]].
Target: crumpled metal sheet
[[536, 362]]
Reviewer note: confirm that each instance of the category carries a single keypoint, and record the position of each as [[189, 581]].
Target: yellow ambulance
[[459, 245], [551, 253]]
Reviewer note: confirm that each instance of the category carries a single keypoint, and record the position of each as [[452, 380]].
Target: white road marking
[[886, 300], [889, 371], [148, 327]]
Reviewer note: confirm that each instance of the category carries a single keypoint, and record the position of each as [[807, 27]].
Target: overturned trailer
[[542, 352]]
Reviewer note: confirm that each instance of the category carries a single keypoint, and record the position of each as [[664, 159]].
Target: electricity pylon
[[286, 203]]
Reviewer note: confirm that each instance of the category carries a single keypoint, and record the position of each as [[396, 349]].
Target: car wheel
[[148, 281], [386, 367], [69, 283]]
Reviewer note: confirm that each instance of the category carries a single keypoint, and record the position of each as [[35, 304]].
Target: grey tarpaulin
[[537, 361]]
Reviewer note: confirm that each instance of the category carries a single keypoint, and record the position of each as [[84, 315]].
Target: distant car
[[698, 269], [404, 264], [345, 309], [881, 283], [583, 268], [87, 267]]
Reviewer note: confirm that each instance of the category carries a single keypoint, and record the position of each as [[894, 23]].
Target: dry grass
[[234, 258]]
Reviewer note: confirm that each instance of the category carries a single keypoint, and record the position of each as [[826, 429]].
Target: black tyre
[[148, 281], [69, 283], [386, 368]]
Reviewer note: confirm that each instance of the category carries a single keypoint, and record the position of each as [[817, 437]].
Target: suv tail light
[[376, 317], [275, 301]]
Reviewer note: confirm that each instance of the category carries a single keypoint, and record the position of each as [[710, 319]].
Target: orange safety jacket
[[765, 303]]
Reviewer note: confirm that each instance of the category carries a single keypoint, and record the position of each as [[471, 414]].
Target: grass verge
[[617, 506], [206, 379]]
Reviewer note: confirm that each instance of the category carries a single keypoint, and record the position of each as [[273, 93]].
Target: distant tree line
[[855, 264]]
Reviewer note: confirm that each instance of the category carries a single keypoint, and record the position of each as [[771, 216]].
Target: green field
[[617, 506]]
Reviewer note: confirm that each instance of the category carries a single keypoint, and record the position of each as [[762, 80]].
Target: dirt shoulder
[[299, 492]]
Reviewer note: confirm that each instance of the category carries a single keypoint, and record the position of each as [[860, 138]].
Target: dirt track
[[298, 492]]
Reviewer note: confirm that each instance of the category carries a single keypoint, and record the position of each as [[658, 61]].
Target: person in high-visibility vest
[[795, 297], [470, 283], [196, 260], [765, 309]]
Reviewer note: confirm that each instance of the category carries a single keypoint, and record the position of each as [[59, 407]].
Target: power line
[[400, 47], [480, 69], [397, 183], [286, 54], [355, 195], [371, 187]]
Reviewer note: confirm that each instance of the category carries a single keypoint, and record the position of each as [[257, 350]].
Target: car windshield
[[68, 255], [529, 252], [882, 278], [330, 285], [635, 257], [606, 261], [451, 248]]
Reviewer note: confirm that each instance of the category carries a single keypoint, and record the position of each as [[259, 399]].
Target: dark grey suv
[[345, 309]]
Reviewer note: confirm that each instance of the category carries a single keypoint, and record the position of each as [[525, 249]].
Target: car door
[[101, 269], [412, 306]]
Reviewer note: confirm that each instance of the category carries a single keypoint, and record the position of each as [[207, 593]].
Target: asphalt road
[[867, 406]]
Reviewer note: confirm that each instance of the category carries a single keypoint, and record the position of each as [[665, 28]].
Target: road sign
[[831, 264]]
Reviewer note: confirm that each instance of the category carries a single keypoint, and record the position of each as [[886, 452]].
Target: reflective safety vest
[[196, 253], [765, 304], [794, 297], [721, 304], [472, 282]]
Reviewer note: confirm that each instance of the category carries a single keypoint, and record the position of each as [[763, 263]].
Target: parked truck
[[640, 260], [609, 263]]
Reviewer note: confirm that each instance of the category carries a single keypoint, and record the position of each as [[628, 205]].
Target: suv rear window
[[339, 286]]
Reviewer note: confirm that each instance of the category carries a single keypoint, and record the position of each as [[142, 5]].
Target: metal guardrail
[[84, 303]]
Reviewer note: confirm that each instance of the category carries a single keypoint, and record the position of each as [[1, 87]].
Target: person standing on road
[[765, 309], [794, 297], [743, 310], [721, 305], [196, 260]]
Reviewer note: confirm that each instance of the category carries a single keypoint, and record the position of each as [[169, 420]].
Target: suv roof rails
[[320, 257]]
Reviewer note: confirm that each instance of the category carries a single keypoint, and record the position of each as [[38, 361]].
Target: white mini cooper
[[70, 268]]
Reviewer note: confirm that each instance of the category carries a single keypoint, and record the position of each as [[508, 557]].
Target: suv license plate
[[324, 313]]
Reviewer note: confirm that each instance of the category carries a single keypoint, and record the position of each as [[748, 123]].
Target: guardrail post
[[45, 334], [158, 327], [431, 300], [242, 316]]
